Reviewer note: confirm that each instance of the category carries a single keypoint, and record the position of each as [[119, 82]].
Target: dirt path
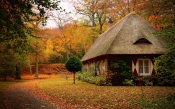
[[21, 96]]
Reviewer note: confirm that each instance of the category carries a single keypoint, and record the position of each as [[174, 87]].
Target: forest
[[25, 41]]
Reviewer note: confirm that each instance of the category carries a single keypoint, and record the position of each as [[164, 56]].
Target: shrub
[[101, 81], [165, 69], [150, 80], [74, 65], [125, 70], [91, 78], [129, 82], [119, 71]]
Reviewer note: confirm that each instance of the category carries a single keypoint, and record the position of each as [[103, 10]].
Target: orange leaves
[[70, 39]]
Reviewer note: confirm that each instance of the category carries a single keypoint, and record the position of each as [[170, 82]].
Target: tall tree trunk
[[18, 72], [74, 77], [93, 20], [37, 74], [30, 68], [100, 23], [128, 7]]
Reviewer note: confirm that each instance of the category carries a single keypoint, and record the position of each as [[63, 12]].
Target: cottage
[[132, 39]]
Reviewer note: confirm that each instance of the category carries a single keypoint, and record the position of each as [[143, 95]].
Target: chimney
[[110, 23]]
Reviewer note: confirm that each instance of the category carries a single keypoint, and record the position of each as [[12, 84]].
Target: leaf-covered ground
[[57, 92], [2, 86], [84, 95]]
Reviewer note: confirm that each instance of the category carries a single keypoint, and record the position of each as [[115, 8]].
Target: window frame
[[143, 67]]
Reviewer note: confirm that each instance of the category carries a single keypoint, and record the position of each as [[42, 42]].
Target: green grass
[[156, 103], [107, 97]]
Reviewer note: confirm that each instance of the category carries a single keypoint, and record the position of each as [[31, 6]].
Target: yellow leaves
[[49, 48]]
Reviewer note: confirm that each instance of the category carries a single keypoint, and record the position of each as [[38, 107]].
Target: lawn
[[85, 95]]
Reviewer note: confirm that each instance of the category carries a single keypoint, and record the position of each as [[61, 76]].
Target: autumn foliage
[[46, 69]]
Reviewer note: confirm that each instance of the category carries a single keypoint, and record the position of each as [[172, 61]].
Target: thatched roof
[[131, 35]]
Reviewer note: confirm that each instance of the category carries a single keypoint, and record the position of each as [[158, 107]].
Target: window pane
[[140, 69], [140, 66], [140, 63], [146, 63], [143, 66], [146, 66], [146, 70]]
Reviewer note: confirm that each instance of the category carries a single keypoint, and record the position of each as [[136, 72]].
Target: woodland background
[[24, 41]]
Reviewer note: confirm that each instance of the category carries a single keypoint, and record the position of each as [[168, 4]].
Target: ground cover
[[3, 85], [85, 95]]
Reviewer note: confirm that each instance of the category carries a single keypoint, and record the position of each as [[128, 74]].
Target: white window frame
[[149, 67]]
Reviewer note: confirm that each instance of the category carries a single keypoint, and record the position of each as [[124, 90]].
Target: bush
[[99, 80], [123, 67], [74, 64], [119, 71], [165, 70], [91, 78], [150, 80], [128, 82]]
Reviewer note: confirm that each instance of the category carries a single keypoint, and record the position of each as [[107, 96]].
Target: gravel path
[[19, 96]]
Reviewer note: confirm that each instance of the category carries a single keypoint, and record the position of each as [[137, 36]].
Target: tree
[[165, 63], [87, 8], [74, 65], [97, 11], [14, 32]]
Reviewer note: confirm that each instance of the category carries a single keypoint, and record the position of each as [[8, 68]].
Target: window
[[142, 41], [144, 66]]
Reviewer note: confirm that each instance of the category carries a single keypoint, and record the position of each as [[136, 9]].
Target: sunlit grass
[[100, 96]]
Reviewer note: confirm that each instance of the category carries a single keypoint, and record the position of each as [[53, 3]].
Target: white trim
[[150, 66]]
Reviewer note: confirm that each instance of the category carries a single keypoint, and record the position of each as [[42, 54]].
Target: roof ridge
[[118, 31]]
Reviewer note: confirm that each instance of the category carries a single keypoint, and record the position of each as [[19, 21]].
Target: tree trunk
[[30, 68], [128, 3], [37, 65], [74, 77], [18, 72], [93, 20]]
